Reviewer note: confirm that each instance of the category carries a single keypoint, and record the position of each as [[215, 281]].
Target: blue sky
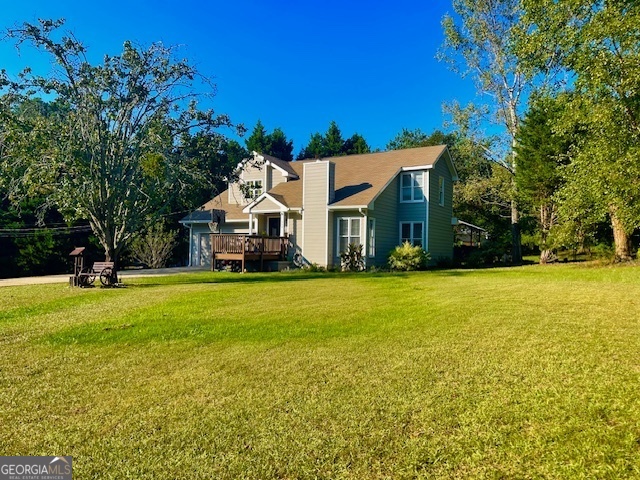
[[370, 66]]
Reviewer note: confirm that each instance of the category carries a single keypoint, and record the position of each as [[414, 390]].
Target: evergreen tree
[[258, 141], [279, 146], [541, 150], [314, 149], [331, 144], [333, 141], [355, 144]]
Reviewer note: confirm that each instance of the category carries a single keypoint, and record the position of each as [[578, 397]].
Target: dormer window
[[253, 189], [412, 187]]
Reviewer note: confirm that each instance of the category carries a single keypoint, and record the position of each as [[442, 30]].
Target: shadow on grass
[[224, 278], [203, 278]]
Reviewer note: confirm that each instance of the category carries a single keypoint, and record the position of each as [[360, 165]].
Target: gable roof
[[220, 202], [282, 165], [358, 182], [361, 178]]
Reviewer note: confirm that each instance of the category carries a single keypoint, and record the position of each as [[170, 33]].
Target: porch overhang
[[276, 207]]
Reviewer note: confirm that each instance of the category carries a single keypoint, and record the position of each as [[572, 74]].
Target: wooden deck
[[245, 248]]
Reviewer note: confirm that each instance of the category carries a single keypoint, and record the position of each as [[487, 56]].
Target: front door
[[273, 226]]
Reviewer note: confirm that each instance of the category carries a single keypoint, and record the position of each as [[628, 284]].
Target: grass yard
[[530, 372]]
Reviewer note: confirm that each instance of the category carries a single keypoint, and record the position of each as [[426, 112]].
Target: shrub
[[352, 259], [407, 257], [153, 247], [314, 267]]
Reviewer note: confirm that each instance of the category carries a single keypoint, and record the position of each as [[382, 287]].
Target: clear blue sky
[[297, 65]]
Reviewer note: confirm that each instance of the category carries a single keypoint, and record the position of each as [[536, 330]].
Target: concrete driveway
[[64, 278]]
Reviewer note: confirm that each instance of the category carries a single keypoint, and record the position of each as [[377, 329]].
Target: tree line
[[132, 142]]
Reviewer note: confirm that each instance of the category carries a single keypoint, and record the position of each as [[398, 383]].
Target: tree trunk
[[621, 238], [516, 236], [547, 220]]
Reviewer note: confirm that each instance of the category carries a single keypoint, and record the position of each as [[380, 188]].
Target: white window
[[441, 190], [348, 232], [372, 237], [411, 187], [411, 232], [253, 189]]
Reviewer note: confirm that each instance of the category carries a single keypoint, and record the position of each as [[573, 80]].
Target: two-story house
[[378, 200]]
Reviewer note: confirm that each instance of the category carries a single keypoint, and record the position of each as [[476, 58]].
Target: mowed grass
[[530, 372]]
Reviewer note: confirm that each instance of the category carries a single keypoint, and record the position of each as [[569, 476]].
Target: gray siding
[[385, 212], [440, 229], [315, 199]]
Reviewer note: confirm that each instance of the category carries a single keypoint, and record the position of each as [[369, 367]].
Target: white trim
[[417, 168], [411, 232], [348, 207], [349, 232], [365, 244], [282, 224], [425, 245], [256, 155], [371, 243], [326, 216], [302, 220], [259, 198], [190, 245], [411, 175]]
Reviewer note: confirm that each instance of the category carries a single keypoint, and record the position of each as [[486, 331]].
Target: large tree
[[480, 42], [116, 156], [598, 43], [542, 149]]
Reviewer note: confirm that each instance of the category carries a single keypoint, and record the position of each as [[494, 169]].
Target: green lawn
[[530, 372]]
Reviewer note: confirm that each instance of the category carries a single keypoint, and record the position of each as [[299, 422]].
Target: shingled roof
[[361, 178]]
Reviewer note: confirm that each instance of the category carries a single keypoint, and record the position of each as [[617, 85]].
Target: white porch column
[[251, 224], [282, 219]]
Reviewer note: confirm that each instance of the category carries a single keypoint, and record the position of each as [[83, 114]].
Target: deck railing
[[248, 244]]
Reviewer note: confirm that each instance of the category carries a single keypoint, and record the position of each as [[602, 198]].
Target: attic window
[[253, 189]]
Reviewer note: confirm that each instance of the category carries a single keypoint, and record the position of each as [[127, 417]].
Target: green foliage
[[154, 246], [279, 146], [596, 43], [314, 268], [406, 257], [352, 260], [354, 145], [274, 144], [543, 148], [115, 153], [331, 144], [258, 141], [417, 138]]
